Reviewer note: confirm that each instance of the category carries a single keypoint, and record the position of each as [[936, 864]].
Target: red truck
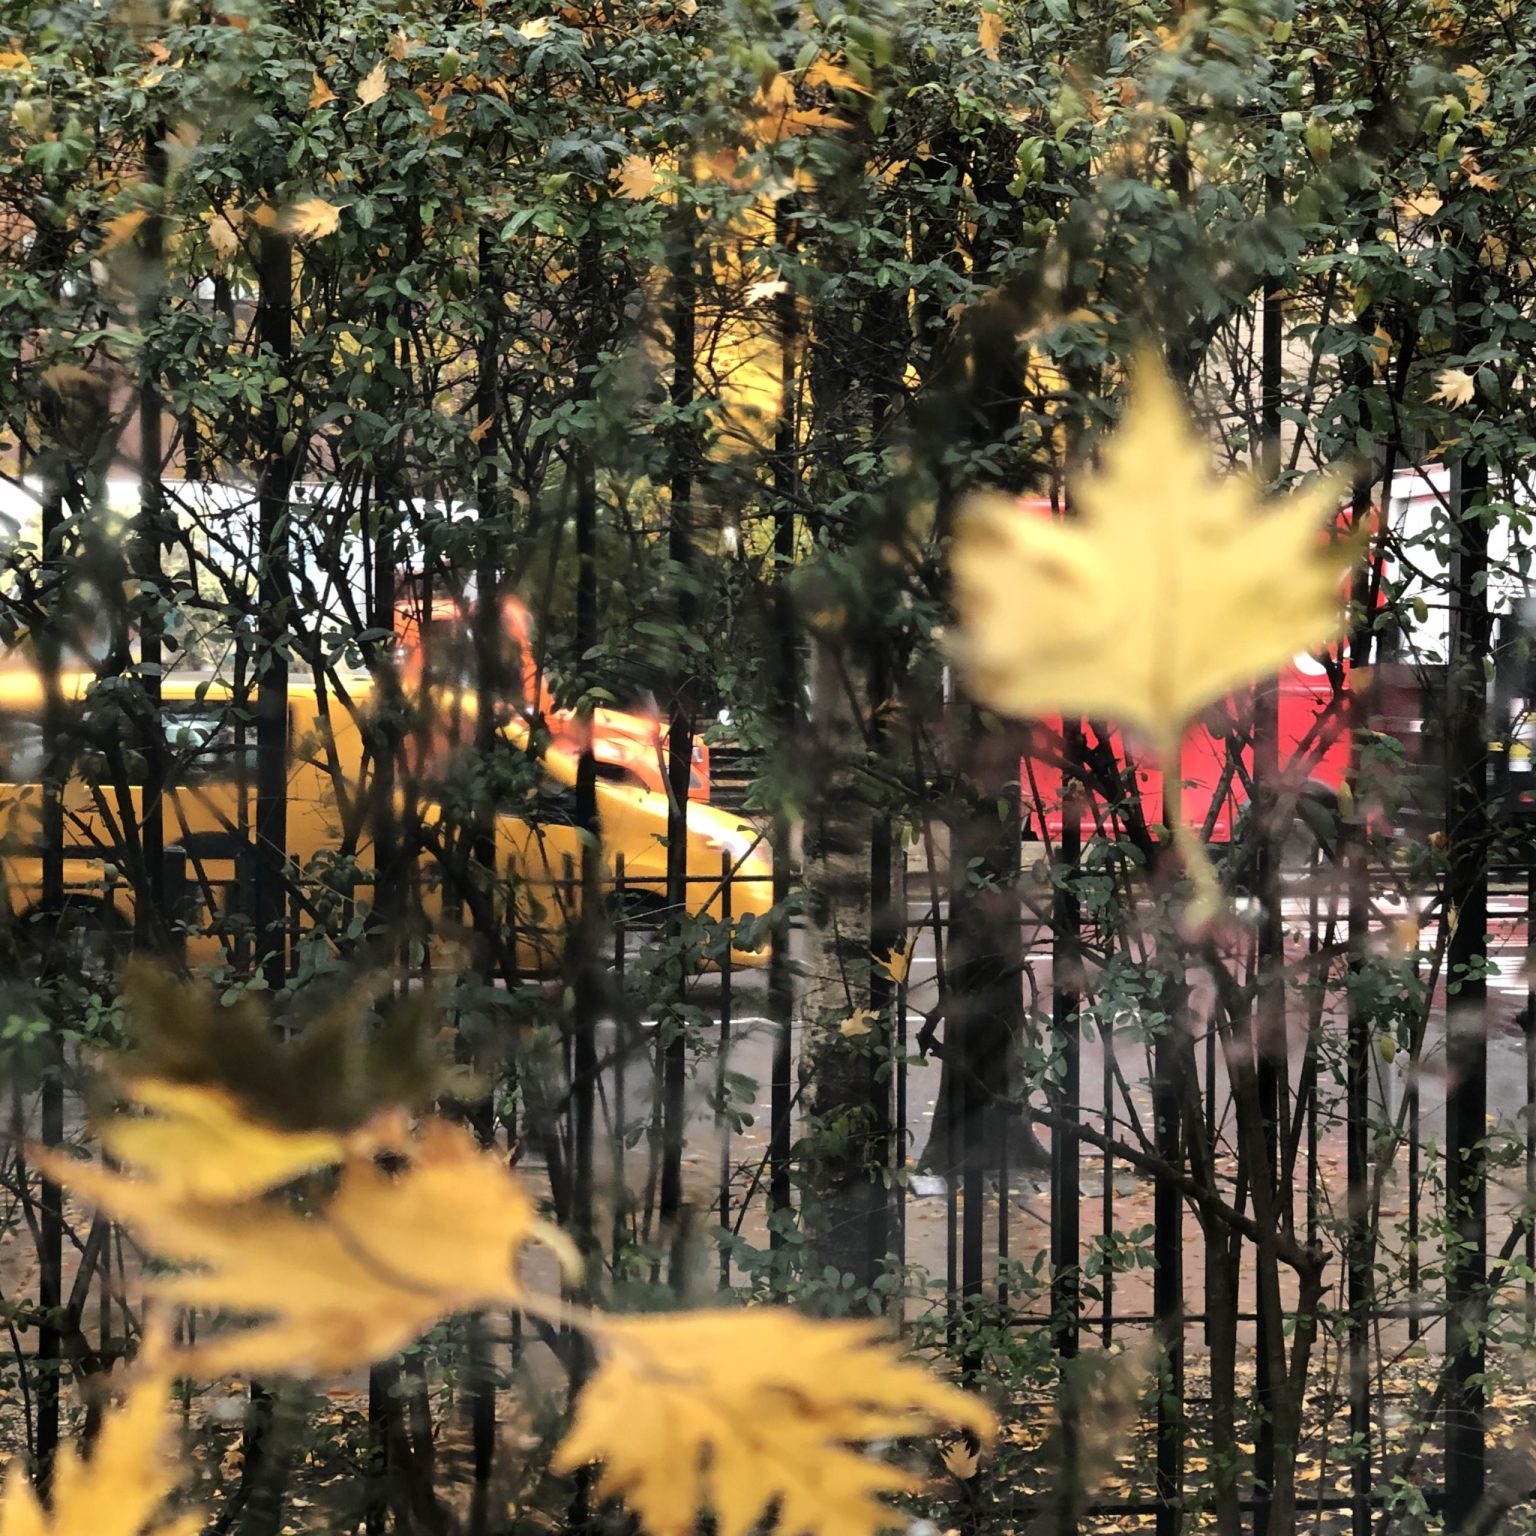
[[1217, 764]]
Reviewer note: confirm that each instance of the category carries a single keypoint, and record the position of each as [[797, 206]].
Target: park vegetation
[[941, 420]]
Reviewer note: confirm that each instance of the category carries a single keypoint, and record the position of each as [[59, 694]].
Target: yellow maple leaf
[[897, 962], [348, 1282], [637, 177], [373, 85], [533, 29], [1379, 346], [119, 1491], [777, 92], [313, 219], [772, 127], [123, 228], [737, 1411], [961, 1462], [197, 1144], [1169, 588], [319, 92], [856, 1024], [1476, 85], [1456, 386], [823, 71]]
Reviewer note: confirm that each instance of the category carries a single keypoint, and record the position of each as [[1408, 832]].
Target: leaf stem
[[1207, 900]]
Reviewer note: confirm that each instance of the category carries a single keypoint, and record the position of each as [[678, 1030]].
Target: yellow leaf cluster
[[335, 1286], [1476, 177], [738, 1411], [120, 1490], [1168, 589], [776, 115]]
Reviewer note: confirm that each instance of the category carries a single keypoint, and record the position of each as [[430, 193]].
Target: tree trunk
[[849, 1105]]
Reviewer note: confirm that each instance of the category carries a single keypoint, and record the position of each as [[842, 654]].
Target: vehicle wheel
[[638, 907], [82, 944], [1315, 830]]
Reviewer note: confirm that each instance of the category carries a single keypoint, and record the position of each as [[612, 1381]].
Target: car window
[[544, 802], [22, 758], [620, 773], [205, 742]]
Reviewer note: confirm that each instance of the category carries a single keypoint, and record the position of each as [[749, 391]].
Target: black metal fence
[[1139, 1235]]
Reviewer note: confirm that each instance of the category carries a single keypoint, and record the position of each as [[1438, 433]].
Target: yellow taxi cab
[[209, 813]]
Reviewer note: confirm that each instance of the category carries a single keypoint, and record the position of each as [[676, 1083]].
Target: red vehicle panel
[[1313, 749]]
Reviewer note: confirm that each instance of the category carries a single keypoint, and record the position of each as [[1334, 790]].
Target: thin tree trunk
[[274, 325], [581, 955], [151, 919], [269, 896], [781, 987], [680, 716], [1269, 1043], [50, 1255], [1466, 1024], [844, 1173]]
